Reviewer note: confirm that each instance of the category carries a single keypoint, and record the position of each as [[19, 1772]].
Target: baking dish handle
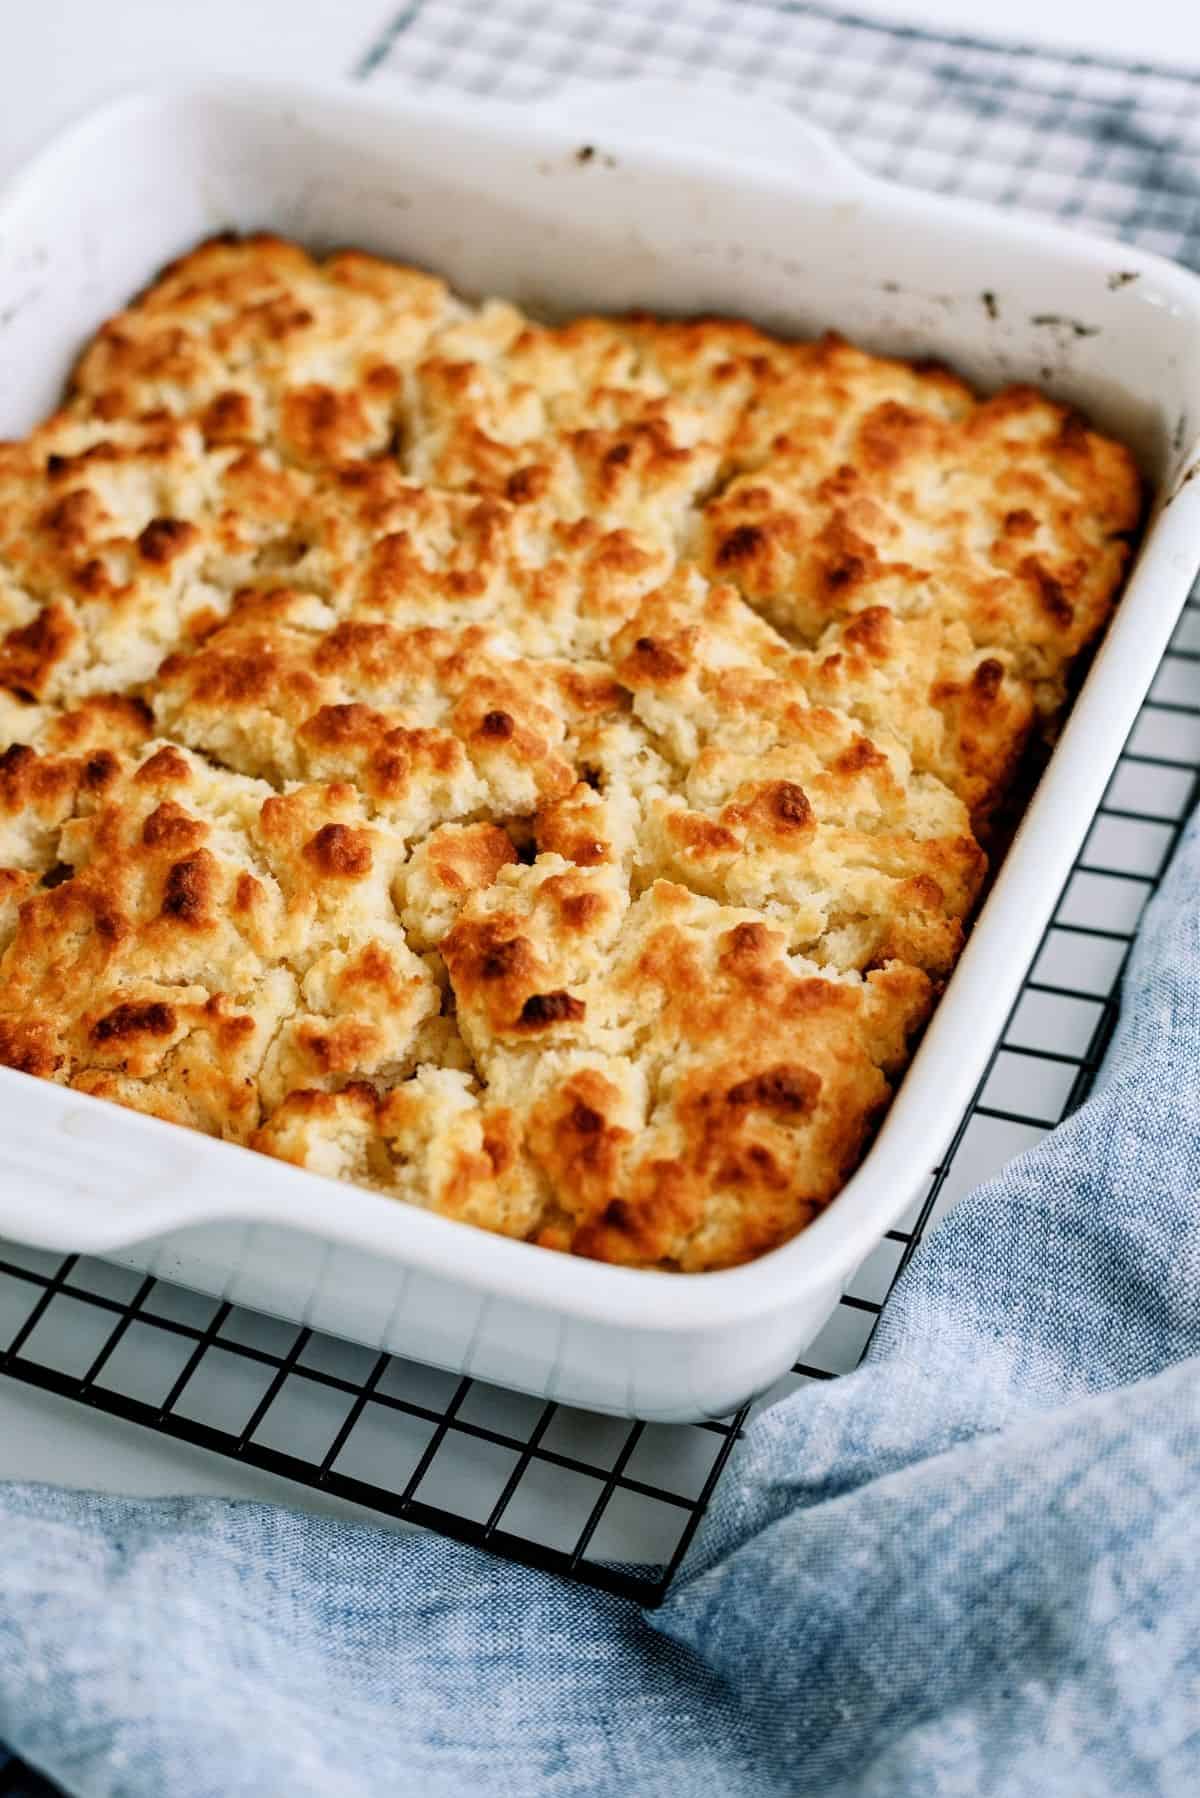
[[699, 116]]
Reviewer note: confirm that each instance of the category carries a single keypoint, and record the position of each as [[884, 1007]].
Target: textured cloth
[[971, 1567]]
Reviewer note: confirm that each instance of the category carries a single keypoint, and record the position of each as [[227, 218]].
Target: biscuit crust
[[540, 773]]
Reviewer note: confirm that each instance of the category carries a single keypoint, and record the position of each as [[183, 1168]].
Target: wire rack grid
[[595, 1498]]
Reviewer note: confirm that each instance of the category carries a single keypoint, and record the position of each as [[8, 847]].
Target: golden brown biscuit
[[1011, 516], [381, 547], [210, 945], [434, 1142], [534, 771], [53, 764], [258, 343], [431, 723], [696, 1096], [120, 541], [768, 1075]]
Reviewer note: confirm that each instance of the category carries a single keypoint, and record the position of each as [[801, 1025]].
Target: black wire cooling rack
[[596, 1498]]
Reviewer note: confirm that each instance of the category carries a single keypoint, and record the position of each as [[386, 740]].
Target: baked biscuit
[[258, 343], [768, 1072], [432, 723], [53, 762], [695, 1096], [535, 771], [1010, 515], [119, 541], [209, 944], [379, 546], [434, 1142]]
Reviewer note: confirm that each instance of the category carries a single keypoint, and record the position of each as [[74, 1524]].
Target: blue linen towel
[[970, 1568]]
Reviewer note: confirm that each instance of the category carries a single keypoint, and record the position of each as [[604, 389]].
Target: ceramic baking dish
[[619, 197]]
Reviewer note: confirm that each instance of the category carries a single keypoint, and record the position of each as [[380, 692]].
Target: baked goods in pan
[[542, 773]]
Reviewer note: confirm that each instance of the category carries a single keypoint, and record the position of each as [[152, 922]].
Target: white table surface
[[60, 55]]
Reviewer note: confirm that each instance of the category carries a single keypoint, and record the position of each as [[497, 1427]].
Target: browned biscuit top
[[537, 772]]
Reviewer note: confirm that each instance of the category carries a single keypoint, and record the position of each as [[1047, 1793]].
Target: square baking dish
[[599, 201]]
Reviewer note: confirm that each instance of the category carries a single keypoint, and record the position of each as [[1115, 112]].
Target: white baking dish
[[683, 204]]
